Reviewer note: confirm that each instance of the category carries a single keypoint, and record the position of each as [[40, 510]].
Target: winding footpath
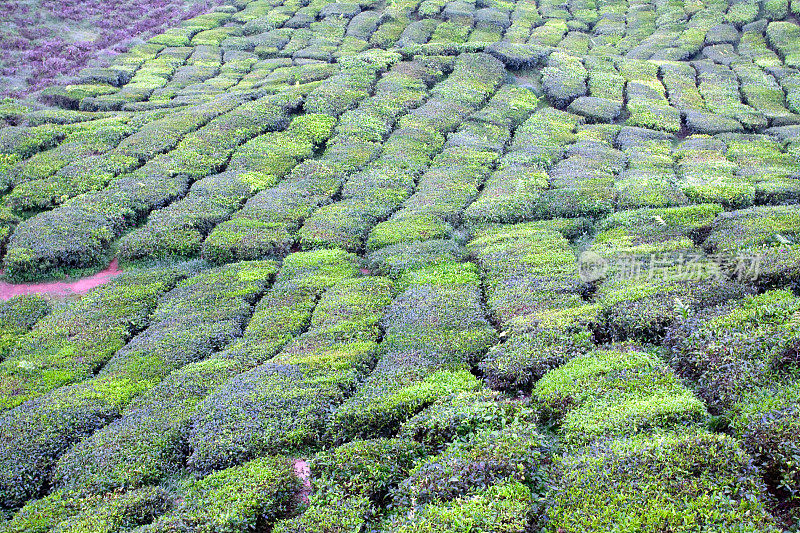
[[61, 288]]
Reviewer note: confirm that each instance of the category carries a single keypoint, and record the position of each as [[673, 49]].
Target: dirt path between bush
[[303, 471], [60, 288]]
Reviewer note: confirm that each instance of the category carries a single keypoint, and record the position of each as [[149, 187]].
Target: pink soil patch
[[303, 471], [60, 288]]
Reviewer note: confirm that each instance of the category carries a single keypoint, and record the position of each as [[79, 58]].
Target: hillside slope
[[46, 40], [411, 266]]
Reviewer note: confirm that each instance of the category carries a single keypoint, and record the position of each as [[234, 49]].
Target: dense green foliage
[[413, 266]]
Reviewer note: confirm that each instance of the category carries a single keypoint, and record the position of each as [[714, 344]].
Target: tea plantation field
[[473, 266]]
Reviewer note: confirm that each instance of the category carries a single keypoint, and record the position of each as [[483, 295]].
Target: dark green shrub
[[510, 106], [783, 35], [728, 350], [698, 480], [146, 444], [514, 285], [149, 441], [164, 134], [356, 77], [396, 259], [246, 497], [18, 315], [69, 512], [595, 109], [649, 180], [369, 468], [328, 515], [363, 25], [267, 223], [373, 193], [81, 231], [518, 55], [284, 402], [505, 507], [193, 321], [582, 183], [655, 273], [642, 309], [718, 85], [517, 452], [460, 415], [432, 331], [75, 341], [766, 235], [771, 440], [525, 357], [400, 386], [563, 79], [408, 229], [20, 142], [275, 406], [180, 228], [615, 393]]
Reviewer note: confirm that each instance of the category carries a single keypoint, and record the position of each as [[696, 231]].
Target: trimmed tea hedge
[[81, 231], [433, 330], [518, 452], [648, 483], [18, 315], [149, 441], [617, 393], [74, 342], [761, 238], [200, 316], [246, 497], [531, 188], [73, 513], [284, 403], [180, 228]]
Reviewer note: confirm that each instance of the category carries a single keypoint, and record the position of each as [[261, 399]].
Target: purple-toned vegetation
[[44, 40]]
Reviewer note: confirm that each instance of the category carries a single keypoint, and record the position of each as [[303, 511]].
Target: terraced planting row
[[419, 266]]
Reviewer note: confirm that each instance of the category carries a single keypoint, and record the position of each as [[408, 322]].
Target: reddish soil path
[[303, 471], [60, 288]]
